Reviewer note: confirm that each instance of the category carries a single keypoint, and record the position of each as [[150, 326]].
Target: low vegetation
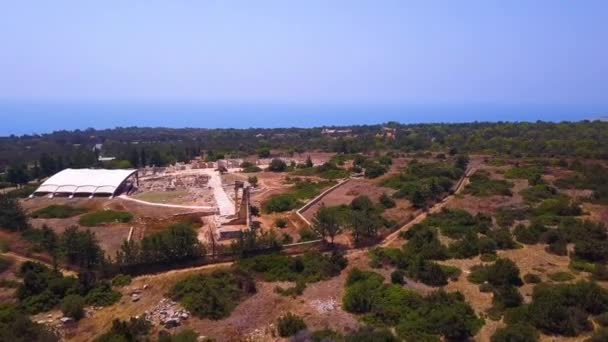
[[42, 289], [97, 218], [308, 268], [301, 191], [136, 329], [562, 309], [482, 186], [328, 170], [423, 183], [58, 211], [16, 326], [413, 316], [12, 216], [213, 295], [289, 325]]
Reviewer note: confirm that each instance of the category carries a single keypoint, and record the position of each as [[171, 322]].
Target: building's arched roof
[[85, 181]]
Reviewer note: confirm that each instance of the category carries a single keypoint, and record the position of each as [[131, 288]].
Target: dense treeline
[[40, 155]]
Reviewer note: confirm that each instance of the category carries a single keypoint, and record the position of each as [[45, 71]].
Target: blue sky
[[312, 52]]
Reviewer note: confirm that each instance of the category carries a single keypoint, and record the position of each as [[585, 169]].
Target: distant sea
[[28, 118]]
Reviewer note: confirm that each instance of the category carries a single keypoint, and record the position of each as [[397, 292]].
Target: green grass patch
[[104, 216], [58, 211], [161, 196]]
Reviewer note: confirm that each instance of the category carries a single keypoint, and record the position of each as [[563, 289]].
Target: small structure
[[231, 227]]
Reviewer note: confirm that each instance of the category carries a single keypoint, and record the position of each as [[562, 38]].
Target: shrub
[[326, 335], [503, 239], [121, 280], [16, 326], [600, 272], [295, 197], [482, 186], [214, 295], [73, 306], [519, 332], [371, 335], [386, 201], [294, 291], [529, 235], [104, 216], [310, 267], [488, 257], [502, 273], [506, 296], [277, 165], [12, 216], [602, 319], [374, 170], [183, 336], [5, 264], [538, 193], [531, 278], [102, 295], [563, 309], [135, 329], [557, 248], [289, 325], [601, 335], [397, 277], [280, 223], [414, 317], [58, 211], [561, 276]]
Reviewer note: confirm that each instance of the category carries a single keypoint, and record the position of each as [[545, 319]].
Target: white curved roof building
[[85, 181]]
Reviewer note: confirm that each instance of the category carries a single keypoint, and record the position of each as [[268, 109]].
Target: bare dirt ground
[[146, 219]]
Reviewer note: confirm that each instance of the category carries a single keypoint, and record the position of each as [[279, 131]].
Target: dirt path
[[462, 183]]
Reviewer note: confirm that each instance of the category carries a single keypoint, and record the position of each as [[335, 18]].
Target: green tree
[[12, 216], [277, 165], [326, 223], [309, 162]]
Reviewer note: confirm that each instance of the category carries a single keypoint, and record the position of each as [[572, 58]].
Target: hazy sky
[[305, 52]]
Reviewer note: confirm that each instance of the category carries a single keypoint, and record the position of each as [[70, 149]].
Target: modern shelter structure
[[89, 182]]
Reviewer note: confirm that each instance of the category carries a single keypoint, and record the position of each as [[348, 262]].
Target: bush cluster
[[483, 186], [289, 325], [213, 295], [414, 317]]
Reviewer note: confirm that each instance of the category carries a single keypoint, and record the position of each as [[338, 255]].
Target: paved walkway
[[223, 201]]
